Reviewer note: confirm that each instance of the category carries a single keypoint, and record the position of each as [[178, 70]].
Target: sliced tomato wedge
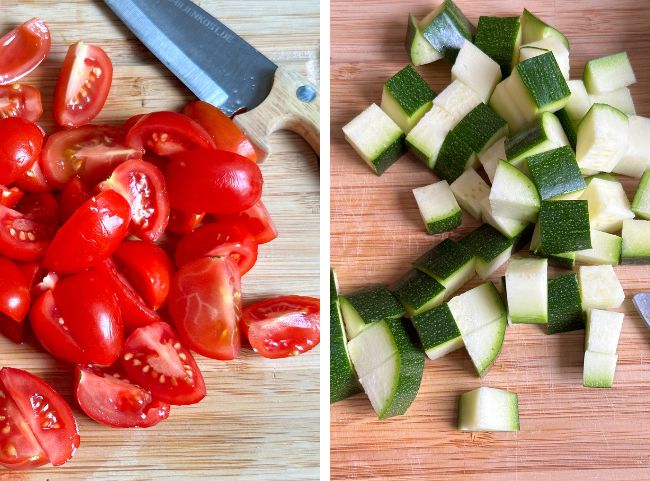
[[83, 85], [183, 222], [257, 221], [155, 359], [9, 196], [23, 239], [20, 146], [108, 397], [20, 100], [14, 291], [283, 326], [143, 186], [33, 180], [23, 49], [39, 206], [166, 133]]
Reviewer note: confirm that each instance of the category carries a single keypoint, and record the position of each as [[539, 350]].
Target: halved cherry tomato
[[205, 303], [183, 222], [79, 320], [44, 412], [91, 235], [13, 330], [155, 359], [283, 326], [83, 85], [33, 180], [130, 122], [257, 221], [9, 196], [143, 186], [22, 239], [167, 133], [23, 49], [74, 195], [20, 146], [91, 152], [14, 291], [39, 206], [147, 268], [225, 133], [222, 239], [108, 397], [20, 100], [212, 181]]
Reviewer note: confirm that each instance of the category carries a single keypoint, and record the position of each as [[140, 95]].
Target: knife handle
[[293, 104]]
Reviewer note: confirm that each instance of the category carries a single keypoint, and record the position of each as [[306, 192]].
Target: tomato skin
[[73, 196], [14, 291], [83, 85], [212, 181], [33, 180], [205, 304], [20, 146], [39, 206], [183, 222], [23, 49], [282, 326], [20, 100], [257, 221], [28, 246], [9, 197], [91, 235]]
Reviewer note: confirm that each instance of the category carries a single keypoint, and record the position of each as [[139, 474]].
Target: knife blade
[[642, 303]]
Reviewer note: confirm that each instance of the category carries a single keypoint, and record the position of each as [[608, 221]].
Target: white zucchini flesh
[[490, 158], [620, 99], [470, 190], [526, 281], [508, 227], [552, 44], [636, 245], [606, 74], [476, 308], [603, 330], [603, 137], [599, 369], [429, 133], [636, 159], [458, 100], [608, 205], [379, 384], [485, 269], [513, 195], [600, 288], [503, 104], [420, 51], [579, 102], [436, 202], [374, 346], [484, 344], [488, 409], [476, 70], [605, 249]]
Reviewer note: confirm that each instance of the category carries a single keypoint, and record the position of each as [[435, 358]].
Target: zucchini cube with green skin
[[562, 259], [438, 207], [636, 242], [534, 29], [426, 138], [599, 369], [527, 293], [481, 127], [484, 344], [608, 73], [500, 38], [600, 288], [603, 331], [490, 248], [564, 305], [549, 44], [555, 172], [564, 226], [454, 158], [419, 292], [438, 331], [370, 305], [419, 50], [513, 195], [636, 159], [406, 98], [510, 228], [620, 99], [603, 136], [608, 204], [545, 134], [450, 263], [488, 409], [458, 100], [477, 70], [605, 249], [641, 201], [376, 138], [446, 28], [569, 126], [470, 190]]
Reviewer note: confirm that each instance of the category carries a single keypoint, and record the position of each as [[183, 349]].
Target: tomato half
[[183, 222], [20, 100], [20, 146], [257, 221], [167, 133], [23, 239], [33, 180], [73, 196], [23, 49], [283, 326], [143, 186], [212, 181], [205, 303], [91, 235], [14, 291], [9, 196], [155, 359], [83, 85], [108, 397], [39, 206]]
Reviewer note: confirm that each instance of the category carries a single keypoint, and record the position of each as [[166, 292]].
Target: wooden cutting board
[[567, 432], [260, 419]]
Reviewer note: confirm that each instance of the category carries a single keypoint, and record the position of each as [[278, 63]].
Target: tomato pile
[[122, 248]]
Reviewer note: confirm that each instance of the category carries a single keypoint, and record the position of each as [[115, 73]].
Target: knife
[[642, 303], [221, 68]]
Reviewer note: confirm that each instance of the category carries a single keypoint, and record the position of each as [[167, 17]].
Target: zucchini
[[490, 248], [426, 138], [562, 259], [599, 369], [450, 263], [365, 307], [376, 138], [569, 126], [476, 70], [458, 100], [470, 190], [438, 331], [513, 195], [488, 409], [419, 49], [446, 29], [603, 138], [555, 172], [577, 195], [620, 99], [564, 305], [481, 127], [549, 44], [484, 344], [545, 134], [534, 29], [600, 288], [489, 159], [527, 291], [636, 242], [641, 201], [501, 102], [603, 331], [636, 159], [564, 226], [438, 207], [579, 103], [522, 238], [605, 249], [419, 292], [406, 97], [606, 74], [510, 228], [500, 38], [608, 205], [454, 158]]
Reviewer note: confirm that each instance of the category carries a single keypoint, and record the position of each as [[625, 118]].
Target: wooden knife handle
[[292, 104]]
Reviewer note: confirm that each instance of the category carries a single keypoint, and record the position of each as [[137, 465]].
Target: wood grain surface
[[260, 419], [567, 432]]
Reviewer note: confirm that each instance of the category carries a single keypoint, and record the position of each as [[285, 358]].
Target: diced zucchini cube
[[564, 305], [534, 29], [476, 70], [564, 226], [450, 263], [477, 308], [500, 38], [502, 103], [513, 195], [562, 259], [579, 103], [636, 159], [545, 134], [636, 242], [419, 49], [555, 172], [489, 159], [367, 306], [458, 100], [603, 136], [438, 207], [419, 292], [437, 331], [490, 248], [406, 98], [426, 138], [488, 409], [510, 228], [641, 202], [470, 190], [550, 44], [454, 158], [446, 28], [620, 99], [599, 369], [527, 291], [605, 249], [481, 127], [609, 73], [603, 330], [608, 205], [600, 288]]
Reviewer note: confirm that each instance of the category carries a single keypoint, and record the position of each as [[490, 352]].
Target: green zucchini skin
[[569, 126], [410, 90], [444, 260], [486, 242], [564, 226], [376, 303], [448, 31], [455, 156], [523, 238], [564, 305], [555, 172], [389, 156], [445, 225], [418, 292], [544, 81], [480, 126], [499, 38], [640, 203], [436, 327]]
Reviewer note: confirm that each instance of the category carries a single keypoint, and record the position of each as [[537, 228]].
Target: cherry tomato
[[74, 195], [23, 239], [79, 320], [108, 397], [91, 235], [257, 221], [147, 268], [225, 133], [23, 49], [212, 181], [283, 326], [205, 304], [14, 291], [155, 359], [20, 146], [167, 133], [39, 206], [83, 85], [183, 222], [143, 186], [20, 100], [222, 239], [9, 196], [33, 180], [130, 122]]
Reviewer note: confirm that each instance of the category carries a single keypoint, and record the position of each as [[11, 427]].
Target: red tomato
[[20, 146], [130, 122], [91, 235], [23, 49], [91, 152], [39, 206], [108, 397], [33, 180], [147, 268], [12, 330], [205, 303], [41, 410], [257, 221], [22, 239], [222, 239], [83, 85], [14, 291], [143, 186], [167, 133], [283, 326], [183, 222], [79, 320], [20, 100], [74, 195], [155, 359], [9, 196], [212, 181], [225, 133]]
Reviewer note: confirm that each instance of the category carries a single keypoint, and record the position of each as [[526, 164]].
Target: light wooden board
[[567, 432], [260, 419]]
